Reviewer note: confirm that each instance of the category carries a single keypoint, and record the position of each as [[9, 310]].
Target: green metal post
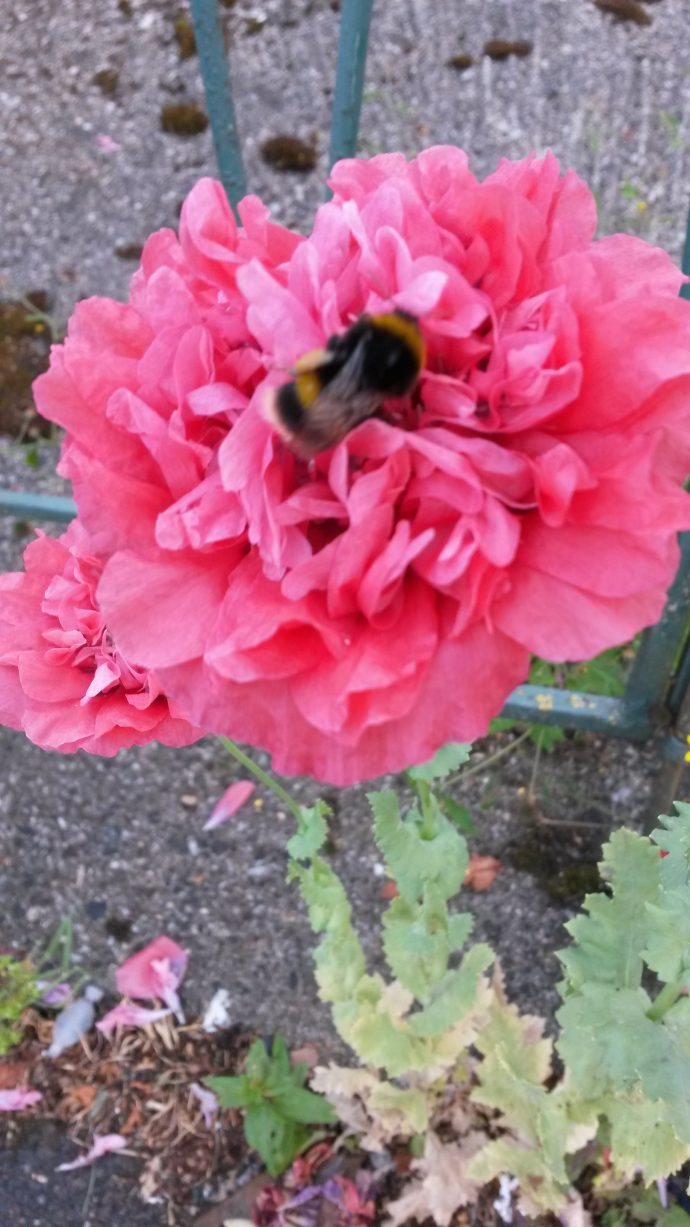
[[685, 291], [219, 100], [25, 506], [349, 80]]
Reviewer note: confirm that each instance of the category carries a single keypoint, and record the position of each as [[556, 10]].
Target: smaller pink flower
[[105, 1145], [18, 1098], [156, 971], [231, 801], [63, 679], [127, 1015]]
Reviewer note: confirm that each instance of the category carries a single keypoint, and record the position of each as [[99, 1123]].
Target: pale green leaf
[[408, 1104], [643, 1138], [668, 942], [610, 937], [446, 760], [233, 1092], [454, 995], [673, 837], [415, 861], [537, 1185], [311, 832]]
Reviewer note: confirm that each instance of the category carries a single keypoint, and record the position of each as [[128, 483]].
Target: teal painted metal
[[355, 19], [52, 507], [573, 709], [659, 656], [219, 100]]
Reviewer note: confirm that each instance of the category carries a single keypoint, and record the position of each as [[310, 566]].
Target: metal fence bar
[[221, 108], [658, 657], [573, 709], [355, 19], [37, 506]]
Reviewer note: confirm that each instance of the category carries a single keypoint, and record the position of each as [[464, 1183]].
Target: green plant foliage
[[403, 1026], [278, 1109], [446, 760], [17, 991], [627, 1049]]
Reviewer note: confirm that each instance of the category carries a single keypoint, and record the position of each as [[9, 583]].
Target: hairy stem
[[248, 763], [493, 758], [664, 1000]]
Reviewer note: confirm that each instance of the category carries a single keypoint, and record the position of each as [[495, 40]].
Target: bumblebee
[[337, 387]]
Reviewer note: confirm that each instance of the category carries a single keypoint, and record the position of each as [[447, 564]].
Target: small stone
[[128, 251], [460, 62], [185, 37], [189, 800], [107, 80], [625, 10], [183, 118], [501, 48], [289, 153]]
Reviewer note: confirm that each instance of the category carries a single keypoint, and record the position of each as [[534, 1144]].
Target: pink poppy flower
[[352, 612], [63, 679], [155, 971]]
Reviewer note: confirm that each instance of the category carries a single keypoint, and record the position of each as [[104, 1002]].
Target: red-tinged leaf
[[389, 890]]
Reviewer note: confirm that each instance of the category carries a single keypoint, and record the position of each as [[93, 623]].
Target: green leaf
[[610, 937], [546, 736], [413, 860], [673, 837], [299, 1104], [668, 943], [454, 995], [604, 674], [276, 1139], [458, 814], [311, 834], [446, 760], [232, 1092]]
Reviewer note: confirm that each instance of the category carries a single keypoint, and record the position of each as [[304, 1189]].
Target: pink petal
[[208, 1101], [18, 1099], [107, 1144], [153, 970], [231, 801], [127, 1015]]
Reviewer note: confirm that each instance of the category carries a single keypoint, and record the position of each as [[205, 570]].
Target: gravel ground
[[117, 845]]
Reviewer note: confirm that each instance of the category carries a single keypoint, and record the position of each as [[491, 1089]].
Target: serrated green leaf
[[413, 860], [527, 1164], [258, 1062], [604, 1030], [542, 673], [610, 937], [668, 942], [446, 760], [673, 837], [299, 1104], [546, 736], [276, 1139], [311, 834], [232, 1092], [643, 1139], [454, 995]]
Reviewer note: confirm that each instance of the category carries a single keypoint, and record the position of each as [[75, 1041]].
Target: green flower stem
[[493, 758], [261, 775], [664, 1000]]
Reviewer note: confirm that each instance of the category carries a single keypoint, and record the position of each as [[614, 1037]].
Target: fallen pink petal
[[154, 971], [107, 144], [54, 994], [231, 801], [208, 1102], [18, 1099], [109, 1143], [127, 1015]]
